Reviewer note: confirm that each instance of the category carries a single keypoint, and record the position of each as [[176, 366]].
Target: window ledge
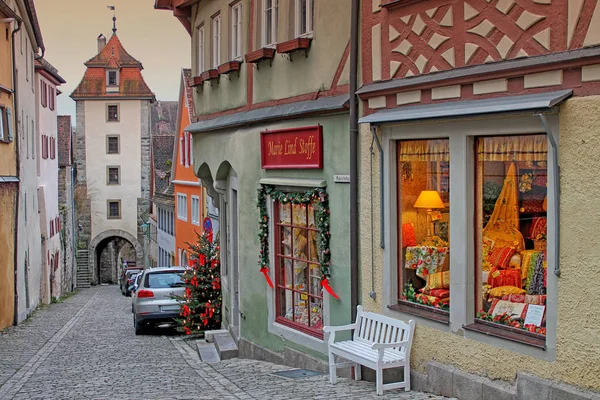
[[209, 75], [421, 311], [293, 182], [197, 81], [507, 332], [229, 67], [299, 43], [264, 53]]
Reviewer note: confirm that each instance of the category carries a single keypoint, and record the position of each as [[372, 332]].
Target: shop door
[[234, 272]]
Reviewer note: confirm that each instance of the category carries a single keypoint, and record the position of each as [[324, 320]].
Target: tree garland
[[321, 219]]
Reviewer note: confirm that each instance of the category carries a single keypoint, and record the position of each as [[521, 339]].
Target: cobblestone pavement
[[85, 348]]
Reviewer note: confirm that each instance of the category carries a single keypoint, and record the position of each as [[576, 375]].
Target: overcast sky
[[154, 37]]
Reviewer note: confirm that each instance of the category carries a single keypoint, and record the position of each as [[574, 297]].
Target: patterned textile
[[504, 277], [439, 280], [502, 291], [538, 300], [426, 260], [538, 227], [536, 284], [500, 257], [408, 235], [526, 262], [441, 293], [514, 310], [532, 206]]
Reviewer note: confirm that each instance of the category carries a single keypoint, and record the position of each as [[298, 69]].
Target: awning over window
[[532, 102]]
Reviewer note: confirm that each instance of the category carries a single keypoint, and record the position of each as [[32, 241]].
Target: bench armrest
[[377, 346], [339, 328]]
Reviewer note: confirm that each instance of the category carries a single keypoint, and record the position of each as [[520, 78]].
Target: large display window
[[299, 299], [423, 213], [510, 197]]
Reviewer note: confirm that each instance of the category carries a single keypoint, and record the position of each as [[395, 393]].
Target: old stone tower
[[113, 159]]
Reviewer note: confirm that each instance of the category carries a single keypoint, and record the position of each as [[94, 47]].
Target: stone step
[[225, 345], [207, 352]]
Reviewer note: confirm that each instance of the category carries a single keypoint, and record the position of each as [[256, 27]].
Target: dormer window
[[112, 80]]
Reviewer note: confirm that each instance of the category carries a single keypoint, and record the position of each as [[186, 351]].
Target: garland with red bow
[[320, 199]]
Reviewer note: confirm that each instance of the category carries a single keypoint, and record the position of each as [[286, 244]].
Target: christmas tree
[[201, 305]]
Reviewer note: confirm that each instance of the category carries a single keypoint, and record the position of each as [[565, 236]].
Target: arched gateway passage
[[105, 251]]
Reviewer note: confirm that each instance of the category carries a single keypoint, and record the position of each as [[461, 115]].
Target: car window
[[162, 280]]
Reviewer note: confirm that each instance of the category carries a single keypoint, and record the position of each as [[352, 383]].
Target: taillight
[[145, 293]]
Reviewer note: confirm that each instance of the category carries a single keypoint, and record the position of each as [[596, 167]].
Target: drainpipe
[[556, 181], [16, 139], [354, 35]]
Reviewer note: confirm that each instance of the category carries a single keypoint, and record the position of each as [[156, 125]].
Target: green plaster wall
[[240, 147]]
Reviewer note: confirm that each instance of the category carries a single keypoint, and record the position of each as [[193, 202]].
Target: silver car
[[153, 303]]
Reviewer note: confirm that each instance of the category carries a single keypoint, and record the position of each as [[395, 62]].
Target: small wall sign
[[293, 148], [341, 178]]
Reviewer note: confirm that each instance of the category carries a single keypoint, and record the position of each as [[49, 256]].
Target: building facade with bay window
[[478, 122], [270, 130]]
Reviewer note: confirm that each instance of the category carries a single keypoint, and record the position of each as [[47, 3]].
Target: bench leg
[[379, 380], [357, 372], [407, 378], [332, 369]]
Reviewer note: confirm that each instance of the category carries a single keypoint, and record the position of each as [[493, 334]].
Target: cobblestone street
[[85, 348]]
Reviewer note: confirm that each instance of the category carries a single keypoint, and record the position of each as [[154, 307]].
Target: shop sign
[[292, 148]]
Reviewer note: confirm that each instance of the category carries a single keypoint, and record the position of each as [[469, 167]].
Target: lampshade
[[429, 199]]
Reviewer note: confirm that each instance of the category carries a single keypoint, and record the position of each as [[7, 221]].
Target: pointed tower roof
[[113, 56]]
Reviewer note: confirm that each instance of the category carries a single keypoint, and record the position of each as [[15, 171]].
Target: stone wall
[[143, 203], [81, 200], [68, 232]]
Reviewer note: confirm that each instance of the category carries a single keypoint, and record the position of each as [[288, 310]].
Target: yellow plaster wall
[[7, 244], [578, 350], [8, 166]]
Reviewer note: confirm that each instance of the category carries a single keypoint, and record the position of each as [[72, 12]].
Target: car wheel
[[139, 328]]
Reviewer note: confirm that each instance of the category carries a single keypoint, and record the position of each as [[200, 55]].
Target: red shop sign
[[292, 148]]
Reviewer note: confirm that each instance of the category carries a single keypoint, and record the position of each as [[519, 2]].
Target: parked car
[[124, 276], [153, 303], [135, 287], [129, 279]]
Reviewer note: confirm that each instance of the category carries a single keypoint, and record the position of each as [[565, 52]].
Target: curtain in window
[[424, 150], [513, 148]]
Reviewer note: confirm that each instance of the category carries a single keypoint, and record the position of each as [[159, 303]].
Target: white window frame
[[216, 40], [200, 67], [196, 210], [236, 31], [309, 17], [462, 134], [271, 21], [182, 206]]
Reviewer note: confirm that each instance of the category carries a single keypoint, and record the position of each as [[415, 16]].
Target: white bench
[[378, 342]]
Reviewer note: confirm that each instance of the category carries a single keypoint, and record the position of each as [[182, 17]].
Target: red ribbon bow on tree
[[265, 272], [325, 284]]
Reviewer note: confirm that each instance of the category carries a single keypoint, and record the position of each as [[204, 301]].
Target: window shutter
[[9, 123], [189, 143], [191, 151], [181, 150]]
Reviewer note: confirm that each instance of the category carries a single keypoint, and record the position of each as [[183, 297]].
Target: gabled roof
[[114, 48], [162, 151], [113, 56], [43, 64]]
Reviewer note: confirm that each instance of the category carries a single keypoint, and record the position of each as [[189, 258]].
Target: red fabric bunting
[[325, 284], [265, 272]]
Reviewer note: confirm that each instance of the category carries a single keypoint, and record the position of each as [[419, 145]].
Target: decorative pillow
[[440, 293], [500, 257], [408, 235], [504, 277], [501, 291], [515, 261], [538, 227], [438, 280], [500, 243], [514, 310]]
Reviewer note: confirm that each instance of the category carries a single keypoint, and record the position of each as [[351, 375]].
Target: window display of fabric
[[426, 260], [504, 277], [504, 222]]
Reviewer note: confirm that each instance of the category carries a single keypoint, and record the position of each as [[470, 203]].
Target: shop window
[[269, 22], [113, 209], [511, 193], [299, 300], [423, 213]]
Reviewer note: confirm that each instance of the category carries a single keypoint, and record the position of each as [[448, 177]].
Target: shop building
[[478, 166], [270, 133]]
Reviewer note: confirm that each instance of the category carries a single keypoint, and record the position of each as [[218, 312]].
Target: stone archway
[[103, 239]]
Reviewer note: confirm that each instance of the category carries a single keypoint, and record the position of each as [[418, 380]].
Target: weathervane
[[112, 8]]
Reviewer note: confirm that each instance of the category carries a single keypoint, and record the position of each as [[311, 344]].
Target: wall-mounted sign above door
[[294, 148]]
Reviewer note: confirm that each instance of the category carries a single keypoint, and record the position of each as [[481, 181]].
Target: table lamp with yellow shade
[[429, 199]]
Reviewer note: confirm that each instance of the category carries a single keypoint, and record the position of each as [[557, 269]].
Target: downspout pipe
[[354, 36], [16, 138], [556, 181]]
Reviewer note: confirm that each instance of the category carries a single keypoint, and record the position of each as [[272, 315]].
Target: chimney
[[101, 42]]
